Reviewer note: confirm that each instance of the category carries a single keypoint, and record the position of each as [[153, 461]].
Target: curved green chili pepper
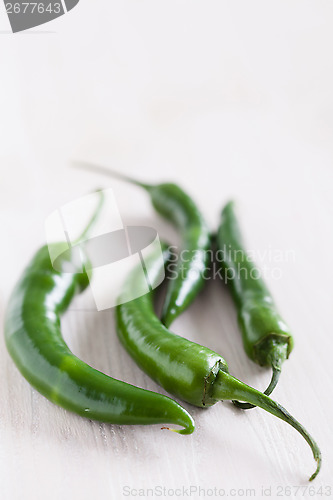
[[174, 204], [185, 369], [34, 341], [267, 339]]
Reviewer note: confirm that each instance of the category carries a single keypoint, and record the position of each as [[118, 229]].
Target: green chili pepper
[[34, 341], [266, 337], [185, 369], [174, 204]]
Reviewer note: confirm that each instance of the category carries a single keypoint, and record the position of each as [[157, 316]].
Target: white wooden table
[[231, 101]]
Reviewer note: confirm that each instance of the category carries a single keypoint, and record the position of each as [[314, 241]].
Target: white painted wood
[[230, 100]]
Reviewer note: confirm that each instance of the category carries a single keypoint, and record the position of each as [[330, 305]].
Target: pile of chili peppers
[[185, 369]]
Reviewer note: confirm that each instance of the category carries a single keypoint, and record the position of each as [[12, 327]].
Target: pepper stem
[[274, 380], [109, 172], [93, 217], [228, 387], [276, 353]]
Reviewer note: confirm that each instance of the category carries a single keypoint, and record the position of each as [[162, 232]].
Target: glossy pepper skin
[[186, 369], [34, 341], [267, 339], [175, 205]]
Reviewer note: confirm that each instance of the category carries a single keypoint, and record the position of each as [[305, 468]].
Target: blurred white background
[[231, 100]]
